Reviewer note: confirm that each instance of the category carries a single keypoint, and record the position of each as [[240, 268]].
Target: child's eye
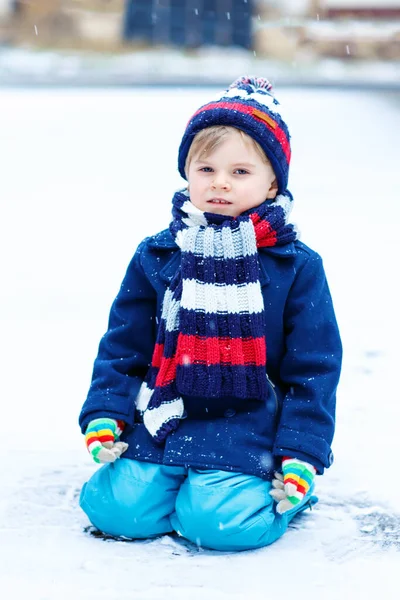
[[241, 171], [206, 169]]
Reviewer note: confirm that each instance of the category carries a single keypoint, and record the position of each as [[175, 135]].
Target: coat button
[[330, 458], [230, 412]]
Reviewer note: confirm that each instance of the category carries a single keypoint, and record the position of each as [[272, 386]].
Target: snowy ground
[[85, 176], [208, 65]]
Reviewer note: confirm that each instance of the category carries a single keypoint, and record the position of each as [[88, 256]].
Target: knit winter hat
[[248, 104]]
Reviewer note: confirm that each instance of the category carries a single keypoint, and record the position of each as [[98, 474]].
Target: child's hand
[[102, 437], [291, 487]]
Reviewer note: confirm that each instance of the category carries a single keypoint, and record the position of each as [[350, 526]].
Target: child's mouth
[[218, 201]]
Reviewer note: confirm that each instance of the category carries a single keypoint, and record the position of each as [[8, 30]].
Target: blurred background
[[126, 42]]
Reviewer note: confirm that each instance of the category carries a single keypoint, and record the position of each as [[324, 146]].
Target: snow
[[86, 175], [209, 65]]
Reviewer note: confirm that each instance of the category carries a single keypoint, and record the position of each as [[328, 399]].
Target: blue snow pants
[[214, 509]]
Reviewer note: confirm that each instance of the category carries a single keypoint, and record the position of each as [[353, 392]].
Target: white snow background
[[86, 174]]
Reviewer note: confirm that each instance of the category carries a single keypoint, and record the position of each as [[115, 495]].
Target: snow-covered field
[[209, 64], [85, 176]]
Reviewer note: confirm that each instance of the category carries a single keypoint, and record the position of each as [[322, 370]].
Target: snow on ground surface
[[85, 176], [208, 65]]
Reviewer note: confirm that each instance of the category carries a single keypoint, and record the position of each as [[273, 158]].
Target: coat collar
[[163, 241], [286, 251], [171, 267]]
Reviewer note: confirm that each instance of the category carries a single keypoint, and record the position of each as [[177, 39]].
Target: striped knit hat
[[248, 104]]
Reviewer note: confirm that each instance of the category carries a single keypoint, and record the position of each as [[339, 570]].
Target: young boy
[[217, 376]]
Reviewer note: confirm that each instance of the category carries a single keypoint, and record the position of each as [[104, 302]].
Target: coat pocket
[[274, 399]]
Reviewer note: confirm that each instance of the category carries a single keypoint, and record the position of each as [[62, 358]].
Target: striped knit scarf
[[211, 337]]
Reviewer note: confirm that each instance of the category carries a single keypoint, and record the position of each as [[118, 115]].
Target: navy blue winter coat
[[303, 364]]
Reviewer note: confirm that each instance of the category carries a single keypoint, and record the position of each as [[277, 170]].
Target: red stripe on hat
[[249, 110], [192, 349], [265, 235]]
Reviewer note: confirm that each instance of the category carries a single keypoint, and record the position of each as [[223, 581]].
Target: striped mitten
[[291, 487], [102, 437]]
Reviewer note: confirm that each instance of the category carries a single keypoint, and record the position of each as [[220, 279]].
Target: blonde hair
[[208, 139]]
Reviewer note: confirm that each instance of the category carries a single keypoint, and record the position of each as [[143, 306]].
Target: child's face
[[231, 179]]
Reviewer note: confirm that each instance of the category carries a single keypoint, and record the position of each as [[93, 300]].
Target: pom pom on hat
[[249, 105], [255, 82]]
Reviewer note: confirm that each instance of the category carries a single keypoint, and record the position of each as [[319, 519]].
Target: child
[[217, 376]]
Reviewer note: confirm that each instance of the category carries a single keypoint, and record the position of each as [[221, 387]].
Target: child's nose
[[220, 181]]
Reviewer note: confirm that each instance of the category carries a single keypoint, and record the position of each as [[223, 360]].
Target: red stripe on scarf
[[265, 235], [250, 110], [157, 355], [193, 349], [167, 372]]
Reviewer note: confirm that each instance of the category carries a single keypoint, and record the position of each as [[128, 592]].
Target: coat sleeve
[[310, 369], [125, 351]]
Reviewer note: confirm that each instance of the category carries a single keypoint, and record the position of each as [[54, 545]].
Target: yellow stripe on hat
[[261, 115]]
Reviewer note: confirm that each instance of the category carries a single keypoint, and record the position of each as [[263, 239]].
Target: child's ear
[[273, 190]]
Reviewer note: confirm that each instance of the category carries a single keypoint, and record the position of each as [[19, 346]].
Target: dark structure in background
[[189, 23]]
